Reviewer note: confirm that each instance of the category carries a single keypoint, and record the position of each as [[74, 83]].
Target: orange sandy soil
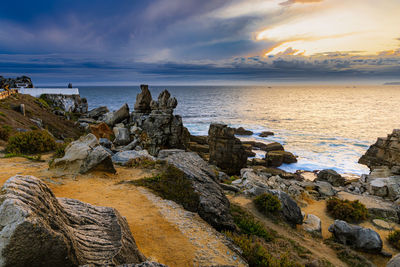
[[156, 237]]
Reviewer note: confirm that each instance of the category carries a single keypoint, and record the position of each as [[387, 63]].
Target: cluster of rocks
[[16, 82], [63, 104], [38, 229]]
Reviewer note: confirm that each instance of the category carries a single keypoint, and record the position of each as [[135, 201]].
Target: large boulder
[[277, 158], [243, 131], [84, 155], [67, 103], [122, 136], [331, 177], [37, 229], [290, 210], [312, 224], [118, 116], [213, 205], [124, 157], [385, 152], [226, 151], [356, 236]]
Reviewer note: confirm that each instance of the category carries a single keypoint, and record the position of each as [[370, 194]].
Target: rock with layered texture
[[226, 151], [67, 103], [84, 155], [101, 130], [143, 99], [98, 112], [37, 229], [356, 236], [385, 152], [124, 157], [277, 158], [160, 128], [118, 116], [290, 210], [122, 136], [213, 205]]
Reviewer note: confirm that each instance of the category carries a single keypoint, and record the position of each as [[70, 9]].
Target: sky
[[200, 42]]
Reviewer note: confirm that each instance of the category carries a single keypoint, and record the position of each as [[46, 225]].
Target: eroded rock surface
[[213, 206], [84, 155], [385, 152], [37, 229], [226, 151]]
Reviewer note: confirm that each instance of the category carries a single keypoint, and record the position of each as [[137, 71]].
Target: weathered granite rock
[[312, 224], [331, 177], [385, 152], [213, 206], [67, 103], [122, 136], [160, 129], [104, 142], [290, 209], [84, 155], [385, 187], [242, 131], [394, 262], [356, 236], [143, 99], [37, 229], [325, 189], [124, 157], [97, 112], [226, 151], [118, 116], [101, 130]]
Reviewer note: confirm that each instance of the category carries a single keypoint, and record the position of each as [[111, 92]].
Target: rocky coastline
[[221, 172]]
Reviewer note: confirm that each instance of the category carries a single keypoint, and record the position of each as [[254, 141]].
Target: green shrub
[[350, 211], [267, 203], [394, 239], [5, 131], [2, 114], [172, 184], [256, 254], [248, 224], [141, 162], [31, 142]]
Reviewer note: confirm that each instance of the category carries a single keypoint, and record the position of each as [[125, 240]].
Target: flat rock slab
[[37, 229], [382, 224]]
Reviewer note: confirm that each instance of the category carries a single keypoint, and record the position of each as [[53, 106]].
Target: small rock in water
[[266, 134]]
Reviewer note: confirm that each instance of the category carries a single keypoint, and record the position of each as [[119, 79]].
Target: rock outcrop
[[226, 151], [16, 82], [385, 152], [84, 155], [277, 158], [160, 129], [356, 236], [290, 209], [66, 103], [124, 157], [243, 131], [331, 177], [101, 130], [37, 229], [213, 206], [394, 262], [143, 99], [97, 112]]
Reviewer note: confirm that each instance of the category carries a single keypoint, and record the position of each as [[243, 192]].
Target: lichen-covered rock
[[213, 206], [385, 152], [312, 224], [118, 116], [84, 155], [122, 136], [143, 99], [356, 236], [226, 151], [37, 229], [331, 177], [290, 210]]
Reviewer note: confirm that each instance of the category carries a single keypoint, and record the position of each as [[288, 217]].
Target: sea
[[325, 126]]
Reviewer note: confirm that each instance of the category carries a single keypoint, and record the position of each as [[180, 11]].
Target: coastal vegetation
[[394, 239], [267, 203], [347, 210], [31, 142]]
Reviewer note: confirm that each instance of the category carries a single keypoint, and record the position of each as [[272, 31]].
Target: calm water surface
[[326, 126]]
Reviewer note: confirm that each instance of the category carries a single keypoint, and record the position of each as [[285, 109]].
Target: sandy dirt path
[[163, 231]]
